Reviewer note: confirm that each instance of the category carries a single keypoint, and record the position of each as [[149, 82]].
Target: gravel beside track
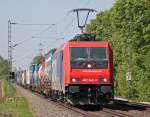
[[47, 108], [44, 108]]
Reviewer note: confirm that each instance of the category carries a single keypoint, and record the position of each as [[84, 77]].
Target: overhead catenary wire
[[53, 24], [31, 24], [53, 42], [62, 20], [66, 28], [28, 51], [21, 42], [28, 55], [57, 23], [46, 29], [68, 25]]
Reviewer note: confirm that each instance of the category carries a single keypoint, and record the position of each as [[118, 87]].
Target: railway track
[[82, 112], [134, 105], [101, 112], [114, 113], [97, 112], [104, 111], [107, 112]]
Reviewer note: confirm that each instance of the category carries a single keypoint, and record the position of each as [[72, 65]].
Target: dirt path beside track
[[43, 108]]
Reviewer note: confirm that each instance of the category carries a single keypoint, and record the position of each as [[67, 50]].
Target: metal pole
[[40, 48], [10, 65], [9, 50], [10, 54]]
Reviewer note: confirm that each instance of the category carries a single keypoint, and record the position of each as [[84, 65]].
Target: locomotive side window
[[95, 58]]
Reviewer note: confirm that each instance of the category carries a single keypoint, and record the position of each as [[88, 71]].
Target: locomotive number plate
[[89, 80]]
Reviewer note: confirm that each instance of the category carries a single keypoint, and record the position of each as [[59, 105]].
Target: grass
[[14, 105]]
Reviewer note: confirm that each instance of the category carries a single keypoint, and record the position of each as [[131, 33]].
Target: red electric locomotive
[[82, 73]]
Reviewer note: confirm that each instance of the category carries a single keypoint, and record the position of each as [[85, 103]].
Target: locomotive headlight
[[89, 65], [74, 80], [105, 79]]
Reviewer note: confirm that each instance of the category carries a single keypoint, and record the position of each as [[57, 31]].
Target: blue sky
[[41, 12]]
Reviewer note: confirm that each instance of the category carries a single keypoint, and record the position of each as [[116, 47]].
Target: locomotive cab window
[[94, 58]]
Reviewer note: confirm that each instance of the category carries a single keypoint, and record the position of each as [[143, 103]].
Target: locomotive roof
[[84, 37], [87, 44]]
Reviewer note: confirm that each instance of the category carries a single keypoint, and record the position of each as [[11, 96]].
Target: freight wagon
[[45, 73]]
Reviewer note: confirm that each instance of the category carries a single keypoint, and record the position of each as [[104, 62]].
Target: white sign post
[[128, 76]]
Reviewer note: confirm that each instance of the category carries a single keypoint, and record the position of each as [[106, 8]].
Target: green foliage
[[129, 23], [37, 59], [3, 68], [8, 89], [14, 104]]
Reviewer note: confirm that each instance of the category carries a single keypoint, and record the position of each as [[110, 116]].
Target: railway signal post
[[10, 74]]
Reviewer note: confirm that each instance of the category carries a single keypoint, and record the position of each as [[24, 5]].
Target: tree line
[[3, 68], [126, 26]]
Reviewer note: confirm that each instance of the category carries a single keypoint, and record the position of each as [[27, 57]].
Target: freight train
[[80, 72]]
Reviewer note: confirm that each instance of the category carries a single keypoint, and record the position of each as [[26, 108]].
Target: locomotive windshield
[[82, 57]]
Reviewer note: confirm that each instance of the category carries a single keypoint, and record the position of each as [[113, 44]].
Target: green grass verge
[[8, 89], [14, 105]]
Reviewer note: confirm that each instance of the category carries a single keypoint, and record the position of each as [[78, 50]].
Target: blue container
[[35, 81], [32, 74], [36, 76]]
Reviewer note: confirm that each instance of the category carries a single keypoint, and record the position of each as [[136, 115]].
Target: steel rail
[[115, 113], [145, 107]]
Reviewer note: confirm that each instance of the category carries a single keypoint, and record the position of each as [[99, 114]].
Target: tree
[[3, 68], [129, 23]]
